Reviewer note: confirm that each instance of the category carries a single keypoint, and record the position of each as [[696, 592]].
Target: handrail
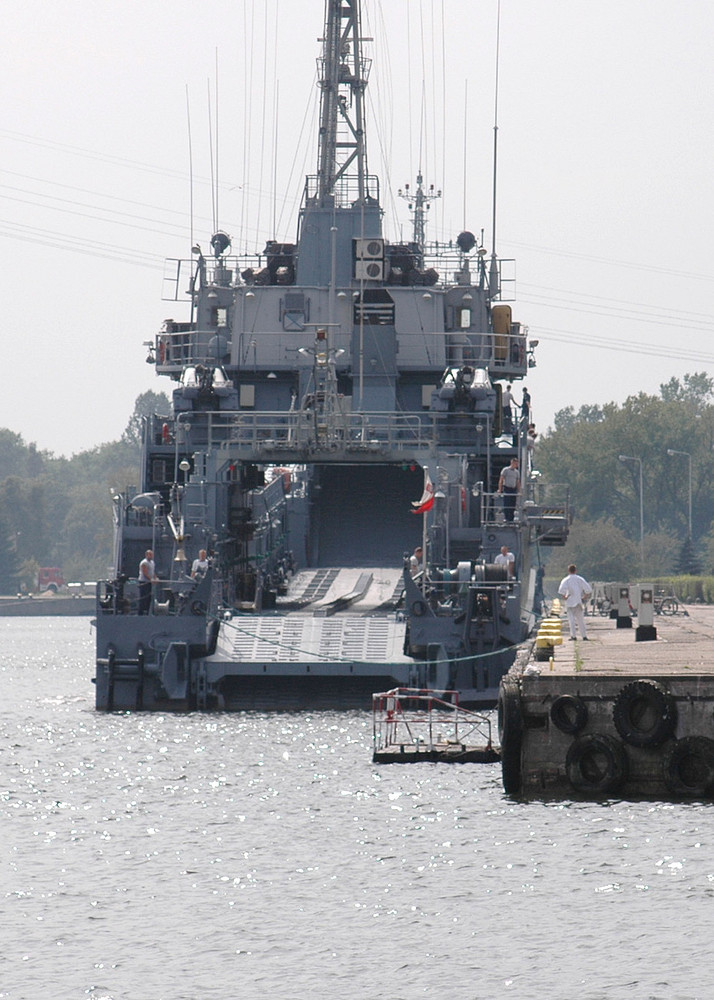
[[417, 713]]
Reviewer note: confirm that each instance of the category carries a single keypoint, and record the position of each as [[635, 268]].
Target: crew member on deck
[[416, 560], [509, 486], [507, 559], [200, 565], [147, 576]]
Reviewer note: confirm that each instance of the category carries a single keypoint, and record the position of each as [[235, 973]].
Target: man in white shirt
[[147, 576], [575, 590], [507, 559], [416, 561], [509, 486], [200, 566]]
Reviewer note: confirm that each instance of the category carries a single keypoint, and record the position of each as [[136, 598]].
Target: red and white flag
[[427, 497]]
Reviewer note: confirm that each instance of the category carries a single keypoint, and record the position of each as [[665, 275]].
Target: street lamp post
[[673, 451], [632, 458]]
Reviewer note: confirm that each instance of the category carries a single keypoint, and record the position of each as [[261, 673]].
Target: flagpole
[[423, 541]]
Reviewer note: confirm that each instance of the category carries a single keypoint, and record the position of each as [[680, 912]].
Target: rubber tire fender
[[569, 713], [644, 713], [688, 767], [596, 763], [510, 734]]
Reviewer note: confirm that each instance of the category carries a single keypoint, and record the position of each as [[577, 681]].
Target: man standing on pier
[[575, 590]]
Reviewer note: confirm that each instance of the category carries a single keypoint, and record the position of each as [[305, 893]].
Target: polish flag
[[427, 497]]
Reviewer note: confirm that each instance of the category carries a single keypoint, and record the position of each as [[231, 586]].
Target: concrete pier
[[612, 717]]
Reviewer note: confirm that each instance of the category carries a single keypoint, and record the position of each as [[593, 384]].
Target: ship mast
[[343, 79], [419, 205]]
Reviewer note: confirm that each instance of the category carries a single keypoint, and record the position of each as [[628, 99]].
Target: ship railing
[[176, 350], [180, 274], [305, 429], [537, 503], [425, 719], [347, 190], [122, 596]]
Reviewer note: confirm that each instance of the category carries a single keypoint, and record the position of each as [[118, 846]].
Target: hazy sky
[[606, 148]]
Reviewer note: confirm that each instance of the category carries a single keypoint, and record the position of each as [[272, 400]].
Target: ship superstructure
[[320, 390]]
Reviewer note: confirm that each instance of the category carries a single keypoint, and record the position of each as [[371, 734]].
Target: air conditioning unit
[[369, 249], [369, 270]]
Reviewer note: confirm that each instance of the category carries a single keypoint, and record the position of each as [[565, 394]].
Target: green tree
[[9, 563], [584, 448], [600, 550], [696, 389], [688, 563], [147, 404], [24, 509]]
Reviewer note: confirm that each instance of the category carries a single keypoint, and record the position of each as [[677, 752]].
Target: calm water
[[212, 857]]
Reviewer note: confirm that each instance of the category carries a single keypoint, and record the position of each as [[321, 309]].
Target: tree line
[[600, 452], [57, 511]]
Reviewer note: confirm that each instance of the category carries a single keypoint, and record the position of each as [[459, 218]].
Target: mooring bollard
[[645, 631], [624, 616]]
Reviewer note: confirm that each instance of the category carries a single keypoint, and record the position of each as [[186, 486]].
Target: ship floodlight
[[339, 352], [220, 242], [250, 295], [302, 350], [184, 465], [467, 298], [271, 375], [426, 295], [342, 295], [466, 241], [533, 343]]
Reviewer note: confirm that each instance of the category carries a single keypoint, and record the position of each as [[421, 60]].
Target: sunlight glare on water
[[159, 857]]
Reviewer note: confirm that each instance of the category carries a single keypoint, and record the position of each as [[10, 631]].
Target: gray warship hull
[[338, 401]]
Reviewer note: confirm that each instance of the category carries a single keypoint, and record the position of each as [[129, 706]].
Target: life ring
[[688, 766], [596, 763], [569, 713], [198, 608], [510, 735], [644, 713]]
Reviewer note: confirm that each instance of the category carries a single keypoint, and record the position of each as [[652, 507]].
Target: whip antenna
[[494, 277], [190, 164]]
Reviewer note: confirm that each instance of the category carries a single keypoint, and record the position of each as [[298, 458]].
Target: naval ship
[[339, 402]]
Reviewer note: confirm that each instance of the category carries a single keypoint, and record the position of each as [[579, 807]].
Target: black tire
[[596, 763], [669, 606], [569, 714], [644, 713], [688, 767], [510, 735]]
